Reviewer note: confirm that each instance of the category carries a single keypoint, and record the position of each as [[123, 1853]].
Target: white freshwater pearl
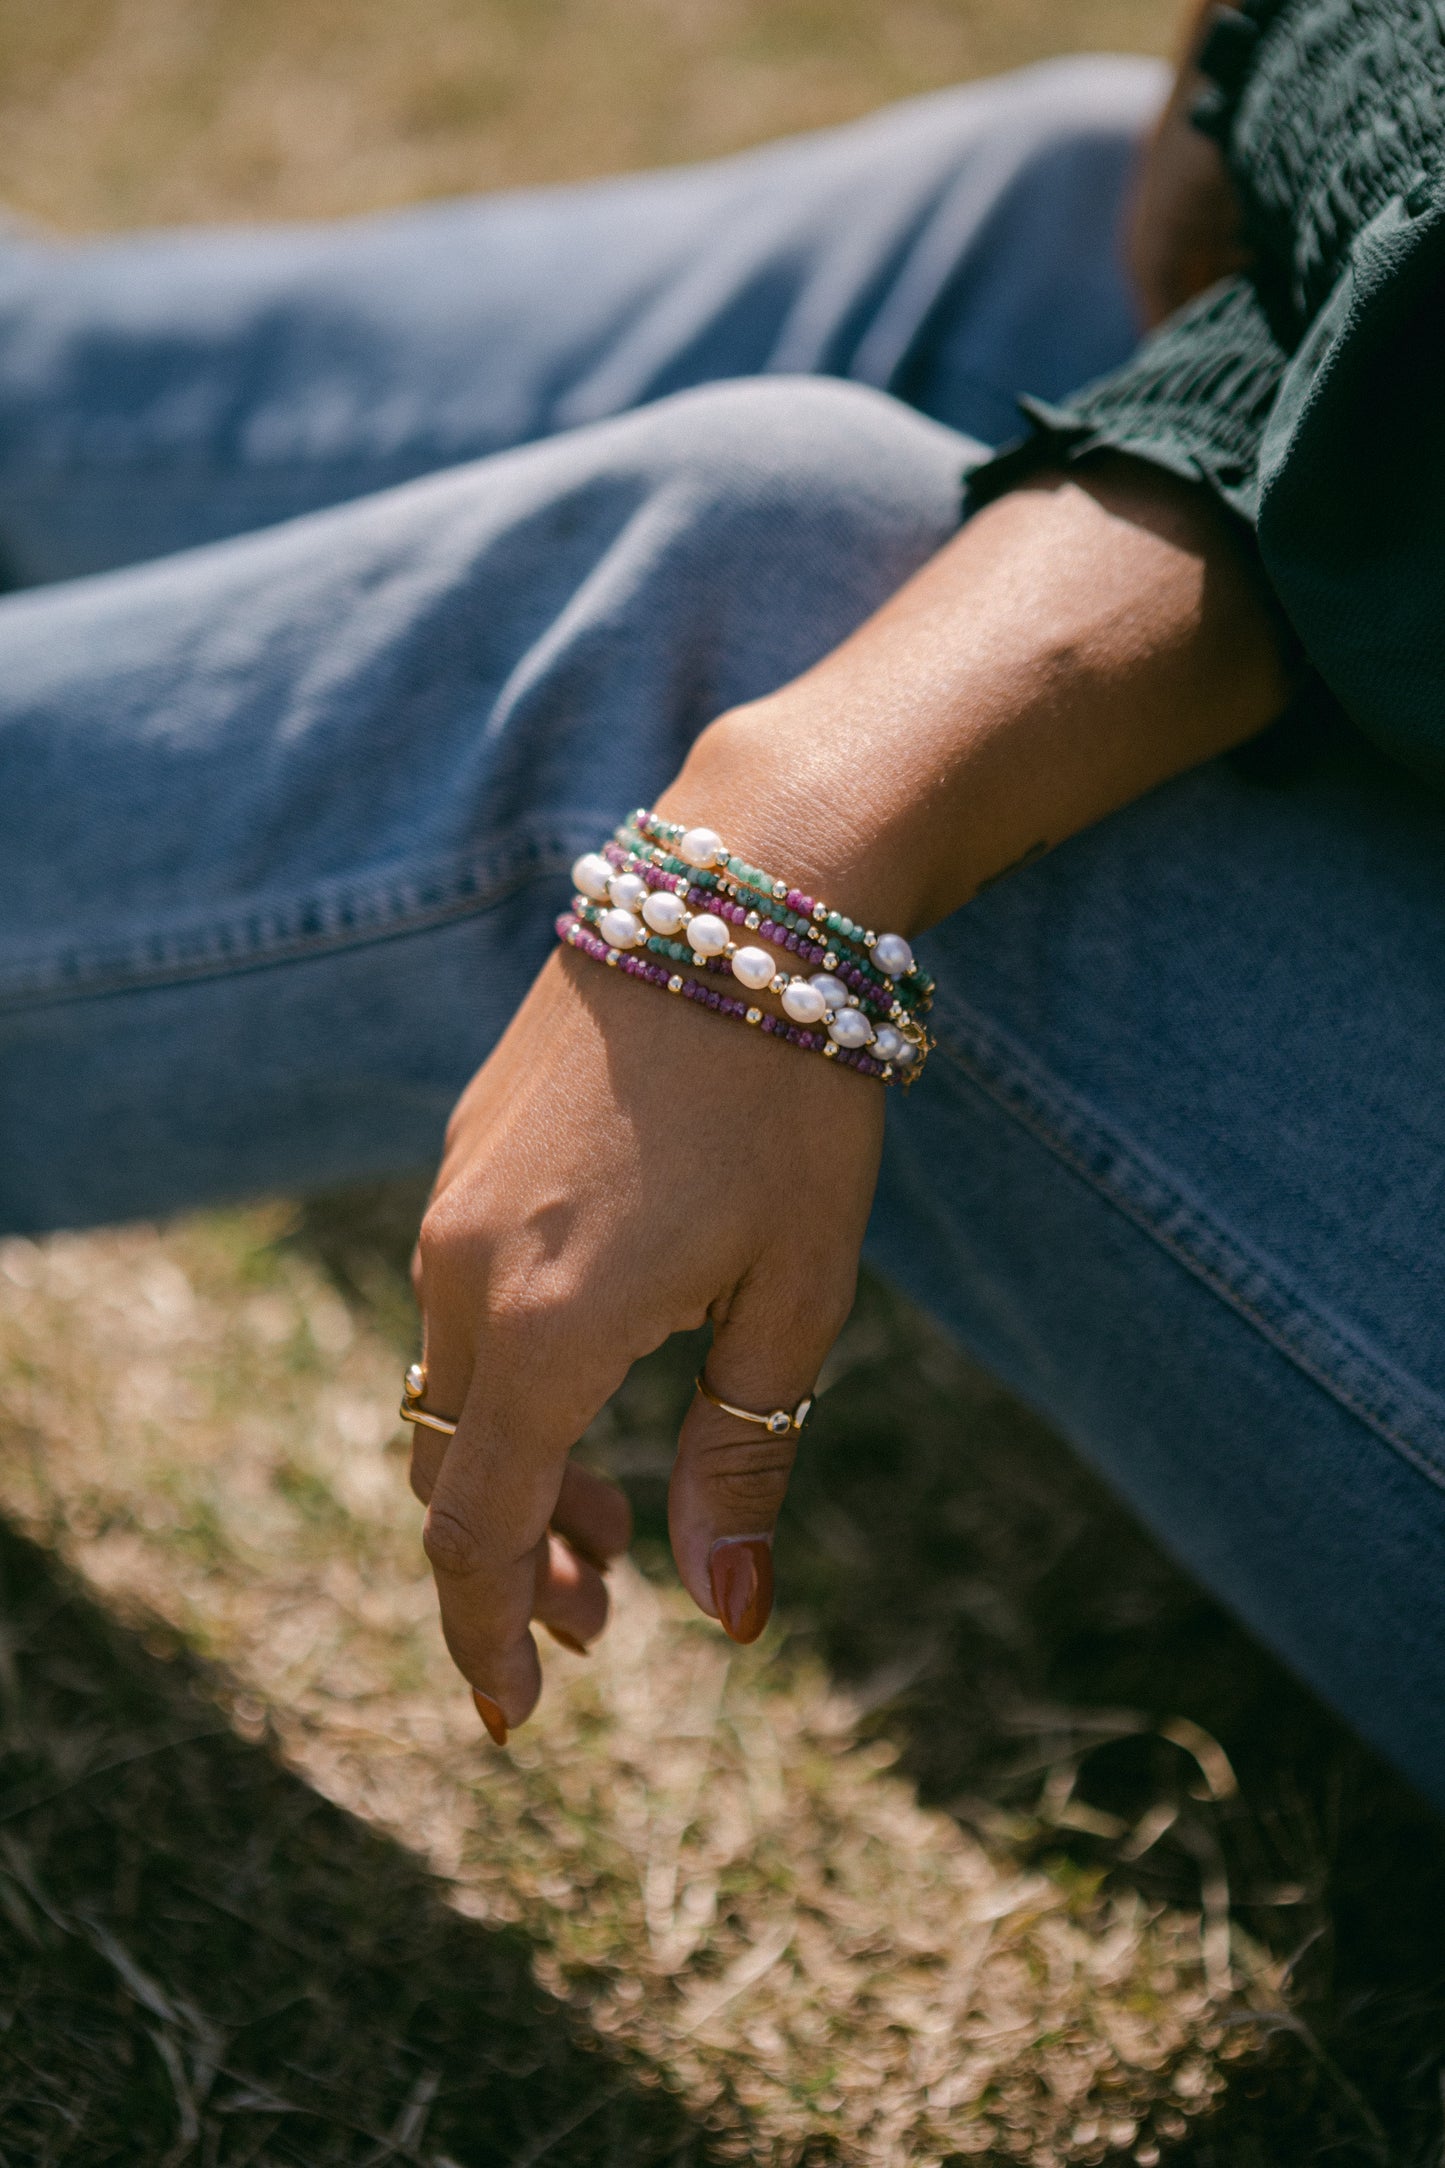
[[619, 929], [833, 991], [591, 875], [700, 847], [892, 954], [754, 966], [708, 934], [887, 1040], [907, 1053], [804, 1002], [664, 911], [850, 1027], [627, 890]]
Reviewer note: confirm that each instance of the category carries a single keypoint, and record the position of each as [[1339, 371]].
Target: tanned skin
[[1077, 643]]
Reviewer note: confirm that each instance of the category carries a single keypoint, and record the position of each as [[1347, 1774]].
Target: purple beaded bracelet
[[572, 931], [871, 995]]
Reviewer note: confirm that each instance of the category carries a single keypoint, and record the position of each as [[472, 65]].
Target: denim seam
[[395, 902], [1360, 1380]]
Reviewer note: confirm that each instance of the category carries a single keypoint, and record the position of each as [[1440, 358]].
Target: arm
[[624, 1166]]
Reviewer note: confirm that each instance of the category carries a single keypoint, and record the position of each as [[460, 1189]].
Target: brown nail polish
[[568, 1641], [492, 1716], [741, 1572]]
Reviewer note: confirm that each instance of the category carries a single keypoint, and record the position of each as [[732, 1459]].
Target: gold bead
[[674, 986], [755, 1016], [830, 1051]]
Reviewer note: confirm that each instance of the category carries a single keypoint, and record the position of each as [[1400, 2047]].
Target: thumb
[[731, 1475]]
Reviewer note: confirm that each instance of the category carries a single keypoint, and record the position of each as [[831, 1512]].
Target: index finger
[[493, 1498]]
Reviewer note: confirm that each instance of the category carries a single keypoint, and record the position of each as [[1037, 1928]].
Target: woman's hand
[[625, 1166]]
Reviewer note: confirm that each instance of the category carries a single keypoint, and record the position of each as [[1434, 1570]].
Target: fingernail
[[568, 1641], [740, 1569], [492, 1716]]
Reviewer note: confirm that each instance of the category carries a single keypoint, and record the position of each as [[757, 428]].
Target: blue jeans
[[363, 575]]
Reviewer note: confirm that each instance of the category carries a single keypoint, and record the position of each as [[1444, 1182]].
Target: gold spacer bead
[[752, 921], [820, 912], [830, 960], [614, 958], [780, 889], [674, 986], [869, 939], [755, 1016], [830, 1051]]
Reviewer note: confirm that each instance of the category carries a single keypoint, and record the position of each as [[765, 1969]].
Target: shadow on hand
[[203, 1961]]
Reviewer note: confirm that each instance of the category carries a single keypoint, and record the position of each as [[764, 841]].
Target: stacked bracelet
[[674, 894]]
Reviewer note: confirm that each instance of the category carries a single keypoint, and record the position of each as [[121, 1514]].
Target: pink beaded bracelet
[[575, 934]]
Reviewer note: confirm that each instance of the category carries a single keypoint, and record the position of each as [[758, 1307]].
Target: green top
[[1307, 394]]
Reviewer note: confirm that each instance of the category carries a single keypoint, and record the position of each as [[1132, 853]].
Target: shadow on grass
[[1054, 1680], [1051, 1677], [1044, 1671], [201, 1960]]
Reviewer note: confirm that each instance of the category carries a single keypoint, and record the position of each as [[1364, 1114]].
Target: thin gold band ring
[[410, 1411], [779, 1422]]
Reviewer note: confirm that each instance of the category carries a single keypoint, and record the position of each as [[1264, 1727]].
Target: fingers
[[730, 1476], [496, 1492], [593, 1515], [570, 1598]]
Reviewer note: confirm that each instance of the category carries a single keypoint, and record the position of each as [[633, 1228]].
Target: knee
[[799, 479]]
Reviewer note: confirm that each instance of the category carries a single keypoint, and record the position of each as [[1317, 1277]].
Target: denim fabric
[[284, 819]]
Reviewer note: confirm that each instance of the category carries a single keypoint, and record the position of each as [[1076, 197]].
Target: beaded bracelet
[[884, 959], [876, 997], [623, 910], [578, 936], [869, 988], [636, 896]]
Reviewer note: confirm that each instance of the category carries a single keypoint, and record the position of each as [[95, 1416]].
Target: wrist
[[763, 776]]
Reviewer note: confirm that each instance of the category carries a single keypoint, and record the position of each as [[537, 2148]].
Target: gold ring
[[780, 1422], [413, 1386]]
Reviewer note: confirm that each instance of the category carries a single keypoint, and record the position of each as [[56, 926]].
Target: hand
[[625, 1166], [1184, 227]]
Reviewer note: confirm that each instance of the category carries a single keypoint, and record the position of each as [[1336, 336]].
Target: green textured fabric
[[1308, 396]]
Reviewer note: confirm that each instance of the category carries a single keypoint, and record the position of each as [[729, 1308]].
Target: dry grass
[[715, 1871], [952, 1866], [191, 109]]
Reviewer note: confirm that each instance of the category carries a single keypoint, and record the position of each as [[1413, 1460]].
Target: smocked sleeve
[[1194, 398]]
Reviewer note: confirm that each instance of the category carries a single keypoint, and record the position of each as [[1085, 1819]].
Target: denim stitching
[[1359, 1379], [341, 915]]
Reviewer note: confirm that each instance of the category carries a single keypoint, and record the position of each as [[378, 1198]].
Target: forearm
[[1076, 644]]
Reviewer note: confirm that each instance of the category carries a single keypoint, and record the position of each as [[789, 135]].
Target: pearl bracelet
[[702, 891], [869, 992], [884, 959], [635, 895], [578, 936]]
